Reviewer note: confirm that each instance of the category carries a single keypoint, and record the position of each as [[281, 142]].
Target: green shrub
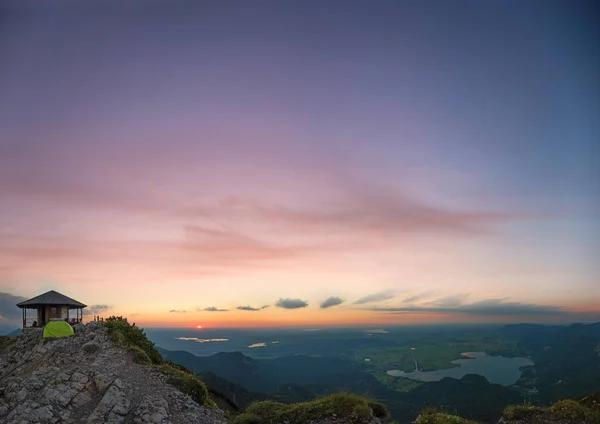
[[140, 356], [188, 383], [379, 410], [591, 401], [522, 412], [247, 418], [440, 418], [131, 337], [341, 404], [134, 339], [570, 409]]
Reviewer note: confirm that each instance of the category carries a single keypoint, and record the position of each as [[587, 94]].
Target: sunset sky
[[265, 163]]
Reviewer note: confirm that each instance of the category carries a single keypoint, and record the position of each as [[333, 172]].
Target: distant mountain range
[[300, 378], [567, 363]]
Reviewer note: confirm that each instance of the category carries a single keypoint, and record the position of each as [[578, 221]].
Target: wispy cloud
[[291, 303], [452, 300], [331, 301], [376, 297], [488, 307], [417, 297], [250, 308], [370, 207], [213, 309], [177, 311], [230, 234], [239, 248]]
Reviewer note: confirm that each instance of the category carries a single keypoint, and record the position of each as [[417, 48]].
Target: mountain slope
[[112, 373], [566, 358], [86, 378], [269, 375]]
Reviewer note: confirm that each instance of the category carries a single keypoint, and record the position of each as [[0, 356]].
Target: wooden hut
[[50, 306]]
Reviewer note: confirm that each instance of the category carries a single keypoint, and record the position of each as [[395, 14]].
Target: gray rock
[[34, 384], [102, 382], [63, 376], [79, 377], [81, 399], [112, 408], [22, 395], [44, 414], [90, 347], [152, 411], [59, 382]]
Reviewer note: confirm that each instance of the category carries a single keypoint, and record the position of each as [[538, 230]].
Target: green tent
[[58, 329]]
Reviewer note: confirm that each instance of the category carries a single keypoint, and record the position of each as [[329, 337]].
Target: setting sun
[[199, 327]]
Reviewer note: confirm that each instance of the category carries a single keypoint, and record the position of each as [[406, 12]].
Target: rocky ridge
[[86, 378]]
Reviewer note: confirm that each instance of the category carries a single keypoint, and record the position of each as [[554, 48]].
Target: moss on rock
[[340, 405], [441, 418], [563, 411], [135, 340]]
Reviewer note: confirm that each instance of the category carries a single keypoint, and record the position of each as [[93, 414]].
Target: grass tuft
[[341, 404], [522, 412], [135, 340], [441, 418], [187, 382], [132, 337], [140, 356], [568, 410], [571, 410]]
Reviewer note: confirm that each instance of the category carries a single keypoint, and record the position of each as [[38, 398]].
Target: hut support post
[[24, 317]]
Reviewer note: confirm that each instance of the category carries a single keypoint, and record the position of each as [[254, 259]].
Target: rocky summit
[[86, 378]]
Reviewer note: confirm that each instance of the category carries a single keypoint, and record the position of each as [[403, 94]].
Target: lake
[[497, 369]]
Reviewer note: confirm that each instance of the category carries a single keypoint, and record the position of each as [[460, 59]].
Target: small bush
[[342, 405], [568, 409], [440, 418], [140, 356], [571, 410], [134, 339], [247, 418], [188, 383], [379, 410], [131, 336], [522, 412]]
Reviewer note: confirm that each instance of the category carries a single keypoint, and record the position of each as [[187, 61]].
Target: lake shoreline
[[496, 369]]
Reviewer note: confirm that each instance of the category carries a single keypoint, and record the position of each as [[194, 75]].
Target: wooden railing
[[33, 323]]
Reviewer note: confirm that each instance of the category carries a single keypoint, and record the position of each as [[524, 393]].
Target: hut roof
[[51, 298]]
